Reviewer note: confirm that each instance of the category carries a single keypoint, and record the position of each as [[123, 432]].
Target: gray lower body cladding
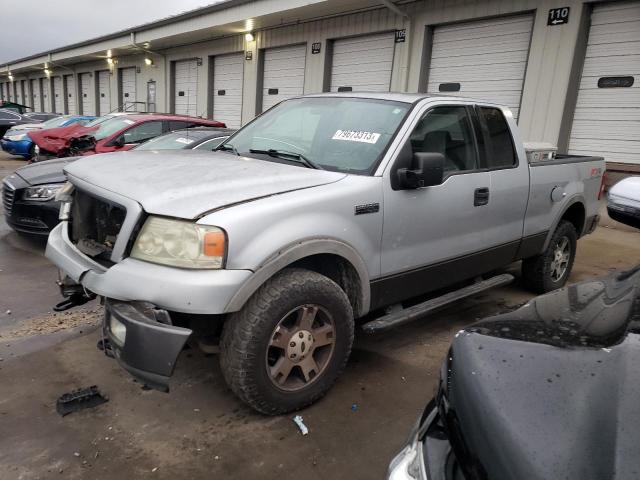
[[151, 345]]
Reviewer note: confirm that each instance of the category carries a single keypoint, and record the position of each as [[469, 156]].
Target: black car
[[29, 193], [10, 118], [548, 391]]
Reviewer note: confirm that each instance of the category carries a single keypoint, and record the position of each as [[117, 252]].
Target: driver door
[[434, 236]]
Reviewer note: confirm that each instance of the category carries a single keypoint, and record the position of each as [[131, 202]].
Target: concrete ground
[[200, 430]]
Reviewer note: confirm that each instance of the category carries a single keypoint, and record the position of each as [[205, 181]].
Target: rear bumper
[[151, 345], [20, 147]]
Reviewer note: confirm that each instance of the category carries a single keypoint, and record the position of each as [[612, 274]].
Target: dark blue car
[[16, 140]]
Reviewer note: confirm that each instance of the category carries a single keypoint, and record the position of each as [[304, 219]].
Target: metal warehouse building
[[570, 70]]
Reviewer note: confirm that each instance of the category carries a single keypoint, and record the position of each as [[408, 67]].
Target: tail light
[[602, 185]]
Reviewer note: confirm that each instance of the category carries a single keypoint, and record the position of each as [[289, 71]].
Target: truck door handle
[[481, 197]]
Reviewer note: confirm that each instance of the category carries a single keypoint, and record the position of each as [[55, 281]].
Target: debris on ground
[[298, 421], [79, 400], [354, 407], [55, 322], [8, 312]]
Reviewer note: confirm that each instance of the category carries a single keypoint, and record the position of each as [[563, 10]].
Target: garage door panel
[[36, 95], [46, 98], [481, 59], [463, 49], [513, 71], [615, 129], [228, 75], [58, 95], [612, 14], [186, 87], [128, 87], [363, 63], [71, 94], [104, 92], [606, 121], [484, 29], [85, 94], [283, 72], [488, 58], [612, 65]]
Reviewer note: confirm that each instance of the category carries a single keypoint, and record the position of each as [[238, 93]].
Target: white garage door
[[72, 101], [19, 97], [362, 63], [228, 72], [58, 95], [3, 91], [607, 117], [283, 74], [128, 88], [36, 95], [186, 87], [485, 60], [104, 92], [85, 93], [46, 98]]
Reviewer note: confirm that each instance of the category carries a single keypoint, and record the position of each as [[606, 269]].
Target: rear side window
[[498, 141]]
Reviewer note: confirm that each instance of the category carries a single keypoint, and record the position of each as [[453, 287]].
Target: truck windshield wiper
[[227, 147], [272, 152]]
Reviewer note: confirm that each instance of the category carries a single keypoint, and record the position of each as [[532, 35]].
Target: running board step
[[407, 315]]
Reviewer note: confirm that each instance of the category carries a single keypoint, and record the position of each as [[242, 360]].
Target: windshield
[[334, 133], [99, 120], [173, 141], [111, 126], [54, 122]]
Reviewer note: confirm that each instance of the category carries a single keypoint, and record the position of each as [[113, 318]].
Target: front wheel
[[289, 343], [551, 269]]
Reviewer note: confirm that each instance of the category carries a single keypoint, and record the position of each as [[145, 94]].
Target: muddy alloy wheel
[[551, 269], [561, 256], [301, 347], [289, 343]]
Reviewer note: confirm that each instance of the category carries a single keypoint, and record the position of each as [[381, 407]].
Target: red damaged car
[[117, 133]]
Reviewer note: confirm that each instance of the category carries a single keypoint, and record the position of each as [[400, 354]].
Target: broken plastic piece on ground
[[354, 407], [79, 400], [105, 346], [298, 421]]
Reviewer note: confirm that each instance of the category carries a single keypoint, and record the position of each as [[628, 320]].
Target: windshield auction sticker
[[186, 141], [356, 136]]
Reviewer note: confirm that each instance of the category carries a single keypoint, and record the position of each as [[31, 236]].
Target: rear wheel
[[287, 346], [551, 269]]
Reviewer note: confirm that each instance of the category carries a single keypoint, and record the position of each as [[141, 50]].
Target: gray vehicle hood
[[188, 184]]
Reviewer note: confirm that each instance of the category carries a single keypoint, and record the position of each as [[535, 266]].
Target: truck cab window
[[446, 130], [499, 145]]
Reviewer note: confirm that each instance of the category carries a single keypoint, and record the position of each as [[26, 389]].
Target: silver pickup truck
[[322, 210]]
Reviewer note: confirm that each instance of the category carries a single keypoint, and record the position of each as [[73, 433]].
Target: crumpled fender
[[56, 139]]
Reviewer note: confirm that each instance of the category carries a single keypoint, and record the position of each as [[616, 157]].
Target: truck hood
[[49, 171], [189, 183], [550, 390]]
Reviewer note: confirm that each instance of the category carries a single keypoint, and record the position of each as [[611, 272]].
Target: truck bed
[[577, 177]]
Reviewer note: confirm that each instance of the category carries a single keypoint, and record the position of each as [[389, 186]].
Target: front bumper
[[20, 147], [28, 216], [175, 289], [151, 345], [624, 214]]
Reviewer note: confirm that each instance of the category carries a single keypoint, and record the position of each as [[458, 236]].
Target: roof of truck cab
[[401, 97]]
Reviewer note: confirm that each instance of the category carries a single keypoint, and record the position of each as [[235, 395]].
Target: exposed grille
[[94, 225], [8, 196]]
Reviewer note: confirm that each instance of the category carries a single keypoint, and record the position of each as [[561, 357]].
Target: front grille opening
[[94, 226], [8, 197]]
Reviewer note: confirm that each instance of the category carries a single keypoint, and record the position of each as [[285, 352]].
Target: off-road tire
[[536, 271], [246, 335]]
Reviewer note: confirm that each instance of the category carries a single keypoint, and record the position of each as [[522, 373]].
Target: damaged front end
[[142, 338]]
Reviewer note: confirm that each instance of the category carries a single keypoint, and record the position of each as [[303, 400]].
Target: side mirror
[[118, 142], [427, 170]]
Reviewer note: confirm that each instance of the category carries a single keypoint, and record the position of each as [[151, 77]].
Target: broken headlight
[[42, 193], [180, 243]]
